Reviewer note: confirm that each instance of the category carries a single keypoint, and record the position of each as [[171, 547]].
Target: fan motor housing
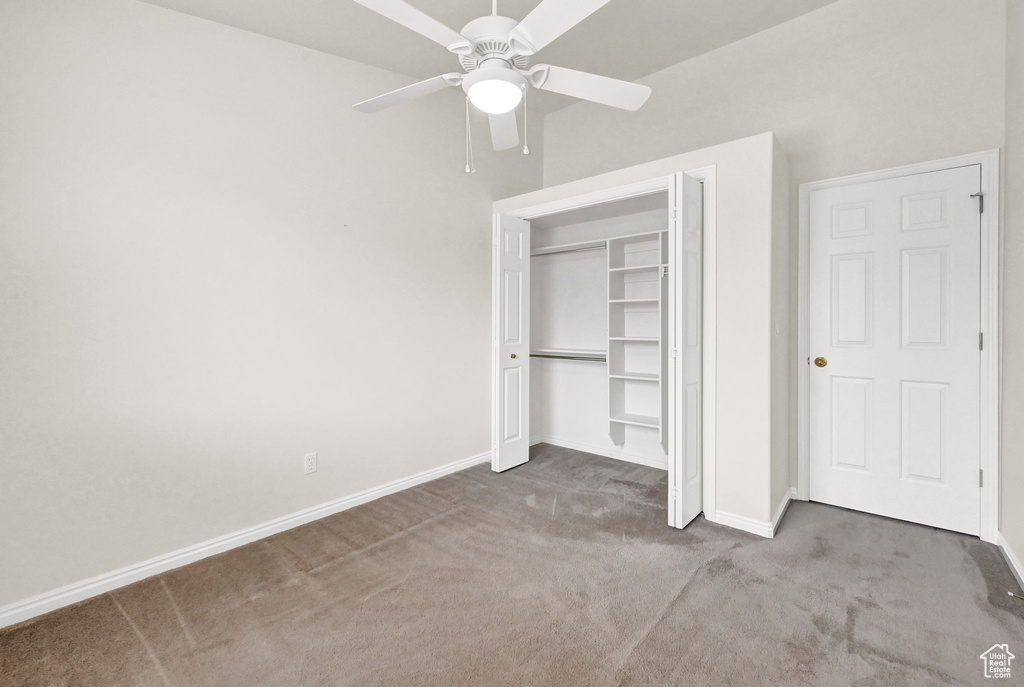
[[489, 36], [491, 26]]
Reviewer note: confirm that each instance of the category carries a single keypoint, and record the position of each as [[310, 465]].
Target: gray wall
[[858, 85], [209, 266]]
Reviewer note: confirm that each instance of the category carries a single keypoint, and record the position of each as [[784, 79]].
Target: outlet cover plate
[[309, 464]]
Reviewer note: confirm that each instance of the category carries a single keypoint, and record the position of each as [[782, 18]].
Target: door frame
[[989, 416], [707, 176]]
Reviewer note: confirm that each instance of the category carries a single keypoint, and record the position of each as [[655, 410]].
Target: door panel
[[895, 312], [852, 282], [511, 362], [686, 246]]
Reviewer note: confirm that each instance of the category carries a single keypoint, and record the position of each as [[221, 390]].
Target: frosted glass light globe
[[494, 96]]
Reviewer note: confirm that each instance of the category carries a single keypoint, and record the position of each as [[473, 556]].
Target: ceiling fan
[[495, 53]]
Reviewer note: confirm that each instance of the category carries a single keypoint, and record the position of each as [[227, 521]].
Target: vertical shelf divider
[[637, 290]]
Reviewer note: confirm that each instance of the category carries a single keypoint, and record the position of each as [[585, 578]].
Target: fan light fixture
[[495, 88], [495, 96]]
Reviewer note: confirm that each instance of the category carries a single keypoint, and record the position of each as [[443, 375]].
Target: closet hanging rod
[[588, 358], [545, 251]]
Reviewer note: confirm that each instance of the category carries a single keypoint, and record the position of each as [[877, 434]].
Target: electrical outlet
[[309, 463]]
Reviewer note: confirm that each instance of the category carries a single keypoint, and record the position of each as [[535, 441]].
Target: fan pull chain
[[526, 140], [469, 143]]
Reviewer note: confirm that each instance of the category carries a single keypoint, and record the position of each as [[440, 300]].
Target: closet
[[597, 332]]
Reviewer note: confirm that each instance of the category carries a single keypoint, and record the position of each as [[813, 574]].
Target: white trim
[[781, 510], [758, 527], [709, 328], [740, 522], [990, 270], [708, 176], [31, 607], [989, 449], [1016, 567], [661, 464], [609, 195]]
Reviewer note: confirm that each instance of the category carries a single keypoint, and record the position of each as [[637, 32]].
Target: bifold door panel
[[511, 350]]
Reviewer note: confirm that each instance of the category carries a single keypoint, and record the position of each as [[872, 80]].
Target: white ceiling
[[626, 39]]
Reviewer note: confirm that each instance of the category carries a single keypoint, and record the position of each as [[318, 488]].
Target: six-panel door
[[895, 374]]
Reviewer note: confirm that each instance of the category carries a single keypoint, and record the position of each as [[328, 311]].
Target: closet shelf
[[637, 339], [642, 236], [570, 247], [633, 300], [637, 268], [636, 376], [636, 420]]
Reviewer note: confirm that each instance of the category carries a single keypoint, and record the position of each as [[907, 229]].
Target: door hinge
[[981, 478], [664, 270], [980, 195], [981, 341]]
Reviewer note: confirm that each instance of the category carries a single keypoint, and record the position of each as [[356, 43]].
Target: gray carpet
[[560, 572]]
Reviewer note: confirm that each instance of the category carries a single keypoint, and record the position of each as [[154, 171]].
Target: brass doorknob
[[513, 355], [820, 362]]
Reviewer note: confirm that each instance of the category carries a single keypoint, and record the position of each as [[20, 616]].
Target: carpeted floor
[[560, 572]]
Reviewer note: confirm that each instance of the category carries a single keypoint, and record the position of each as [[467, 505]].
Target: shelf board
[[569, 351], [637, 376], [637, 268], [634, 300], [636, 238], [565, 247], [638, 339], [636, 420]]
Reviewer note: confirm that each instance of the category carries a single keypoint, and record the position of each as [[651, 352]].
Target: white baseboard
[[21, 611], [1011, 558], [661, 464], [781, 510], [740, 522], [758, 527]]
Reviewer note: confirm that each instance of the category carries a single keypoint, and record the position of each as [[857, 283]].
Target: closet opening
[[597, 324], [598, 330]]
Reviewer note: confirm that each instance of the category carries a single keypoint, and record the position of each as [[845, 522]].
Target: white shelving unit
[[637, 360]]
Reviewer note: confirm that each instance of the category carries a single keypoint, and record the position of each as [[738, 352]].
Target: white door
[[511, 363], [685, 475], [894, 347]]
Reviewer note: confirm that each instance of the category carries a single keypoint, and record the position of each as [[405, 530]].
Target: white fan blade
[[598, 89], [504, 130], [438, 83], [549, 20], [412, 18]]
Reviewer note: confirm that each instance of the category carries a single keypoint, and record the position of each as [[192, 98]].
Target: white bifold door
[[894, 347], [685, 360], [511, 360]]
